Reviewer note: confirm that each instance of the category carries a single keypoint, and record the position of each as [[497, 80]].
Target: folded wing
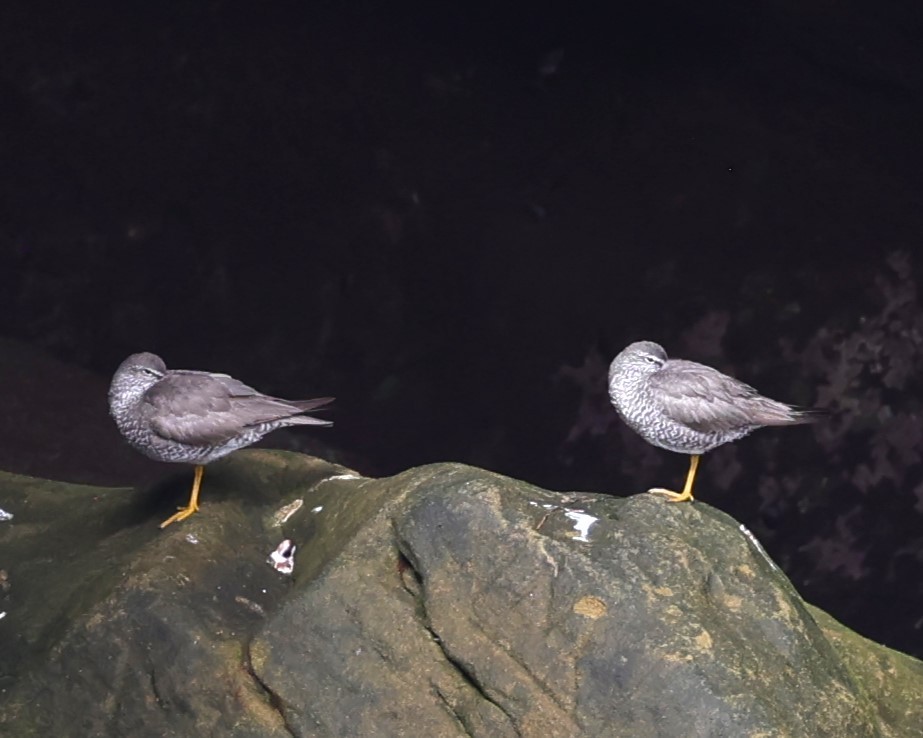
[[706, 400], [202, 409]]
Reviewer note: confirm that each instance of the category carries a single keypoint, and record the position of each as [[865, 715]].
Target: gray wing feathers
[[199, 408], [707, 400]]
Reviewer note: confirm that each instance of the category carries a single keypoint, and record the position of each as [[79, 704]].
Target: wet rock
[[443, 601]]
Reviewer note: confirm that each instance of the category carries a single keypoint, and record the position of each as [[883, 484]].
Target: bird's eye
[[651, 359]]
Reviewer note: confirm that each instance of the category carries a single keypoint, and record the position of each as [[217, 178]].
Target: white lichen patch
[[341, 477], [757, 545], [280, 516], [582, 523], [283, 558]]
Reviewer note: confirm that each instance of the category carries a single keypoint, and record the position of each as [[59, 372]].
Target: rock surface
[[444, 601]]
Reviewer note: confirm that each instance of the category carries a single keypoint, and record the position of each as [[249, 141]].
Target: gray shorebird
[[688, 408], [190, 417]]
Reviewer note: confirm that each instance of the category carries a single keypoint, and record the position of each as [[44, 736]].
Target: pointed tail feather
[[306, 420], [781, 414], [306, 405], [801, 416]]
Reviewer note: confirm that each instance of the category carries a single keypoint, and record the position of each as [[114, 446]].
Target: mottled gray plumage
[[178, 415], [687, 407]]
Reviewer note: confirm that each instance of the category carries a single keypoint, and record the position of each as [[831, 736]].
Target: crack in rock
[[407, 566], [275, 701], [469, 677]]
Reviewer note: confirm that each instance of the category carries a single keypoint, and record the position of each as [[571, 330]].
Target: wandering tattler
[[193, 417], [687, 407]]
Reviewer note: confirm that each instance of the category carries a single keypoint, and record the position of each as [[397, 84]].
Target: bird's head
[[640, 359], [135, 376]]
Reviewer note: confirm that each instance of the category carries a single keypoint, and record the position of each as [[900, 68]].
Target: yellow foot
[[182, 514], [671, 495]]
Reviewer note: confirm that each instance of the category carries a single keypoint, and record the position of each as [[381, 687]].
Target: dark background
[[452, 218]]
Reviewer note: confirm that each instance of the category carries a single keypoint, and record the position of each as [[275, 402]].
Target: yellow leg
[[686, 494], [185, 512]]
